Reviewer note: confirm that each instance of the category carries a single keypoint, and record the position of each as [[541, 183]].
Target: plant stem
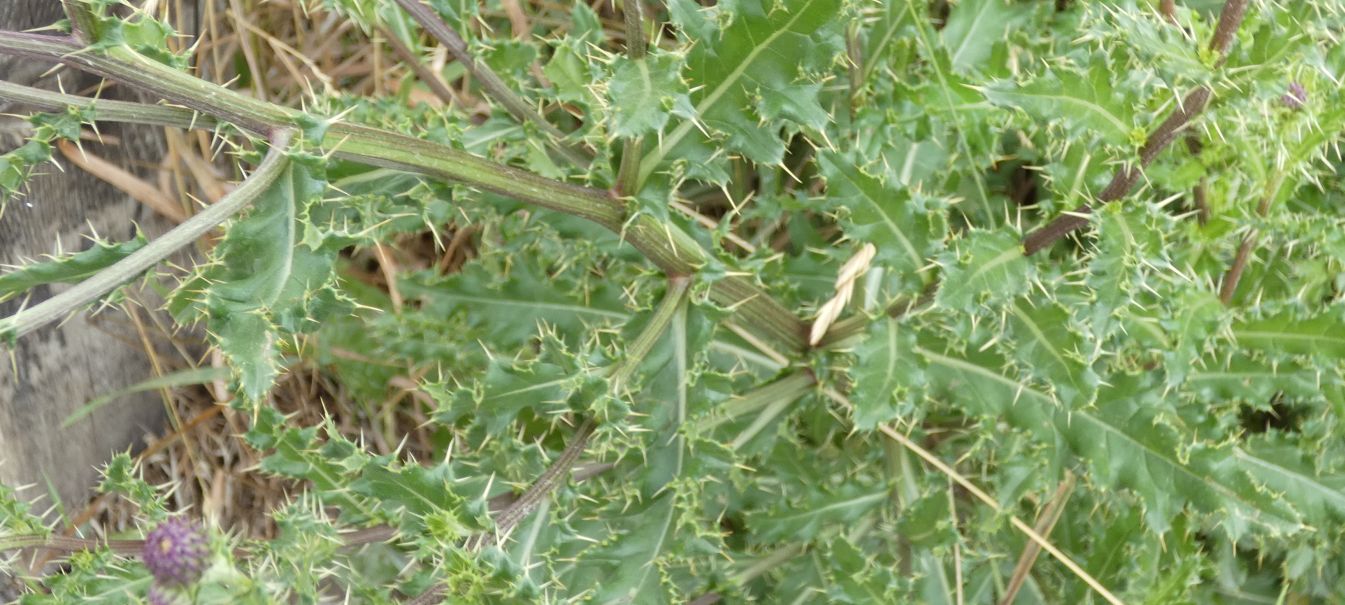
[[1128, 174], [89, 290], [664, 244], [489, 80], [105, 110], [1230, 282], [632, 150], [786, 389], [645, 341], [540, 489], [425, 74]]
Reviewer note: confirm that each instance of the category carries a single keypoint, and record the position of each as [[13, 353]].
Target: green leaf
[[643, 94], [263, 283], [1086, 103], [889, 377], [984, 267], [170, 380], [754, 70], [804, 521], [973, 27], [1048, 348], [907, 229], [1321, 335], [414, 493], [70, 268], [1127, 445]]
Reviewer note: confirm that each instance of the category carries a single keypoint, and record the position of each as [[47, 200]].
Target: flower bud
[[1296, 96], [175, 552]]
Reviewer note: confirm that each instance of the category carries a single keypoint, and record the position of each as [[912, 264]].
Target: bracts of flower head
[[175, 553]]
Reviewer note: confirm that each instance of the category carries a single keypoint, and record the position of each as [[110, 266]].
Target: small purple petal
[[175, 552], [158, 595], [1296, 97]]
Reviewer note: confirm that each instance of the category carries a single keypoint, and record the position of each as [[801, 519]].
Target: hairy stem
[[540, 489], [784, 390], [105, 110], [1229, 286], [89, 290], [645, 341], [489, 80], [632, 150], [1126, 177], [666, 245]]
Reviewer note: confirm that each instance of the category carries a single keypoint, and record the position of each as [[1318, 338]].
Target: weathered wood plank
[[54, 371]]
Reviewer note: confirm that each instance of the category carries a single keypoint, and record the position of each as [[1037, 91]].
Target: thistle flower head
[[159, 595], [1296, 96], [175, 552]]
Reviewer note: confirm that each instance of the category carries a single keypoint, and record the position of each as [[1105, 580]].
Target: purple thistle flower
[[158, 595], [175, 552], [1296, 96]]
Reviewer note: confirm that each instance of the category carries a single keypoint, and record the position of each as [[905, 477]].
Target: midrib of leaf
[[419, 496], [887, 220], [652, 161], [1092, 107], [1004, 257], [843, 504], [320, 471], [1040, 337], [530, 388], [1334, 496], [975, 23], [889, 376], [878, 49], [1271, 335], [1042, 398], [948, 98], [529, 304], [287, 259], [677, 330]]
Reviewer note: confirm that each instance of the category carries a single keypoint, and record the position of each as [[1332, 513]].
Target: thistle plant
[[771, 300], [175, 553]]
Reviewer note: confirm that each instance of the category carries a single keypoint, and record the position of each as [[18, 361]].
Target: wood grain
[[54, 371]]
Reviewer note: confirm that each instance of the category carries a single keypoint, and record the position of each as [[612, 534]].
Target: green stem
[[105, 110], [767, 563], [91, 289], [650, 335], [488, 79], [667, 246], [786, 389], [628, 176]]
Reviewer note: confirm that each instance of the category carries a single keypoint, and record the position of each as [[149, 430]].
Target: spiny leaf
[[983, 267], [973, 27], [645, 93], [1322, 335], [1086, 103], [1127, 445], [906, 229], [889, 377], [70, 268], [752, 71], [805, 520], [264, 283]]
